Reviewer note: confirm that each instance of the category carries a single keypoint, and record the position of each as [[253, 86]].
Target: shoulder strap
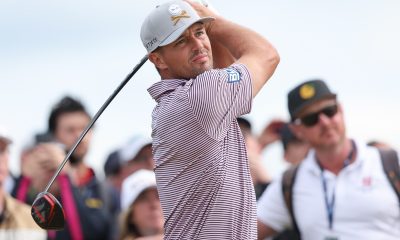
[[390, 163], [288, 180]]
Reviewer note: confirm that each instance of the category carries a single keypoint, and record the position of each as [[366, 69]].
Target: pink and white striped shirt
[[202, 169]]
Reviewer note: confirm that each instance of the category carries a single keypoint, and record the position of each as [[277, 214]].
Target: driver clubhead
[[47, 212]]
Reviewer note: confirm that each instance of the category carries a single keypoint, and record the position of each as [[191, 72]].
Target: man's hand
[[40, 163], [50, 156], [271, 133]]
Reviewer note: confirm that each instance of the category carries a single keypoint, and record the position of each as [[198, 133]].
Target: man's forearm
[[222, 57], [237, 39], [248, 47]]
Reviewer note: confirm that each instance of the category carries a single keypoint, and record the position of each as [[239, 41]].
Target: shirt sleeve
[[219, 96], [271, 208]]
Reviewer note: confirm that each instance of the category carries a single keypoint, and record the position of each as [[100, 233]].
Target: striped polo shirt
[[202, 169]]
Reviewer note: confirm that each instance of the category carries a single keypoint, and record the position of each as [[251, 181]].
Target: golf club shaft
[[99, 112]]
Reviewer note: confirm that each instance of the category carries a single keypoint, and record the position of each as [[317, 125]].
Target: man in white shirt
[[340, 191]]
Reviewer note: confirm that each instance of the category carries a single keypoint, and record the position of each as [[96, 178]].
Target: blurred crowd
[[125, 203]]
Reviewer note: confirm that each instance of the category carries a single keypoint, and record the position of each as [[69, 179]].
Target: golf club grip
[[99, 112]]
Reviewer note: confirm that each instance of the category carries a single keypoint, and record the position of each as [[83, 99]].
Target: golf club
[[46, 210]]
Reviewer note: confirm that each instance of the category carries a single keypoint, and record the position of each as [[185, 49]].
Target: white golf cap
[[167, 22], [134, 185], [133, 147], [4, 135]]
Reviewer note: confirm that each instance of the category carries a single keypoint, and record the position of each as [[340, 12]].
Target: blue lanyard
[[330, 205]]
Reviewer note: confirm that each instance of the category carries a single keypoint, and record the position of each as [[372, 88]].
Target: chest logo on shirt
[[233, 75], [367, 181]]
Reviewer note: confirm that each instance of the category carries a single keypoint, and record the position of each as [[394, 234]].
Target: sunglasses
[[313, 118]]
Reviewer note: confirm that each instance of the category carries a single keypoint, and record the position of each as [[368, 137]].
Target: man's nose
[[196, 42], [323, 119]]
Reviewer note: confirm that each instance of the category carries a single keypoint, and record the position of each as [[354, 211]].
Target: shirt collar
[[164, 86], [311, 164]]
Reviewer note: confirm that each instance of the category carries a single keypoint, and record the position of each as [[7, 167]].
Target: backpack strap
[[288, 180], [390, 163]]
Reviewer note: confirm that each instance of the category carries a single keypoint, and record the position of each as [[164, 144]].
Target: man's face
[[329, 129], [69, 128], [187, 57], [4, 155], [147, 213]]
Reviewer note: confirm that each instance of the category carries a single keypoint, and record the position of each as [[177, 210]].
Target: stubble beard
[[203, 68]]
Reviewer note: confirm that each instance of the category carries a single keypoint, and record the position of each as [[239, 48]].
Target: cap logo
[[307, 91], [177, 13]]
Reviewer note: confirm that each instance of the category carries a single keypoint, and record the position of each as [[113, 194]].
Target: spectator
[[112, 170], [81, 193], [68, 118], [112, 167], [340, 189], [142, 215], [16, 221], [136, 154]]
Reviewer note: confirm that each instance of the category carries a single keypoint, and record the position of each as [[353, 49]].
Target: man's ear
[[157, 60]]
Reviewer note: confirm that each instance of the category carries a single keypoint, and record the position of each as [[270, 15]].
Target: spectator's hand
[[50, 156], [271, 133], [40, 163]]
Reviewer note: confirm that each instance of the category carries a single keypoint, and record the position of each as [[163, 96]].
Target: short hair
[[112, 165], [66, 105]]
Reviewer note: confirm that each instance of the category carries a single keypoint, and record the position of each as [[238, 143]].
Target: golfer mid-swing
[[210, 70]]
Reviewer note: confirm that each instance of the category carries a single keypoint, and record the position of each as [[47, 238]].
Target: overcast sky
[[86, 48]]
